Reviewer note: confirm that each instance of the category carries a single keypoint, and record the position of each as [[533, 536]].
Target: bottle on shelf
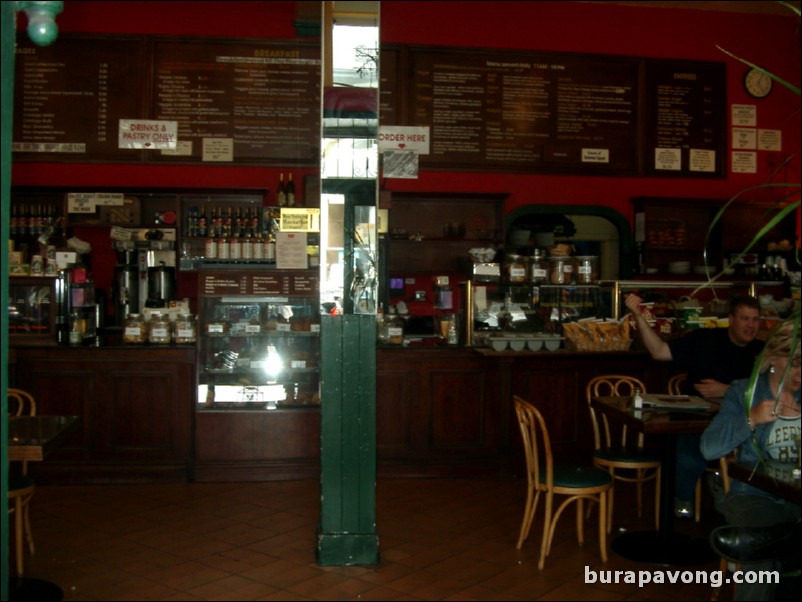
[[211, 227], [290, 191], [202, 228], [281, 192]]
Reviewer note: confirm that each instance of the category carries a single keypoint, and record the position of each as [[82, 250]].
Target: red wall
[[603, 28]]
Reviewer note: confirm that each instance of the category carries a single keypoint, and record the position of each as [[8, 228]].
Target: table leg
[[665, 547]]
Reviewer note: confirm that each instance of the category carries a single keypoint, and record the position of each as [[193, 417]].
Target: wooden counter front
[[134, 406], [448, 412]]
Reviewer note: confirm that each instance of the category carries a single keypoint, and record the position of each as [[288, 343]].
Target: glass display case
[[259, 339], [33, 310]]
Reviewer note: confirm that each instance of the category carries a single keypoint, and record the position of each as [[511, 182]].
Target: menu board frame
[[130, 80], [639, 132]]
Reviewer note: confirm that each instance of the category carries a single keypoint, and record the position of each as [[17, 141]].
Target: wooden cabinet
[[437, 229], [134, 407], [678, 230]]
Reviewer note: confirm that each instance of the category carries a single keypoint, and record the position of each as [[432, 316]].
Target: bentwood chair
[[21, 486], [618, 451], [675, 388], [577, 483]]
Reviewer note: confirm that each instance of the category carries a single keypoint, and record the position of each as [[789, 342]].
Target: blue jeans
[[690, 465]]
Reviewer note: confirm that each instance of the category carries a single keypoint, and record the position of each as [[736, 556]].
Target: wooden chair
[[725, 484], [21, 486], [675, 388], [578, 483], [618, 453]]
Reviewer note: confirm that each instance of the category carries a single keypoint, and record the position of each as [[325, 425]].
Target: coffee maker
[[125, 288], [145, 274]]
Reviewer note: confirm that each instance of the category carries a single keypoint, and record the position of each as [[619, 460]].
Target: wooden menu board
[[515, 111], [526, 111], [249, 101], [252, 100], [686, 118], [70, 97]]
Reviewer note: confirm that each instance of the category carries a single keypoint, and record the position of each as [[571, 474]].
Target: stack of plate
[[679, 267]]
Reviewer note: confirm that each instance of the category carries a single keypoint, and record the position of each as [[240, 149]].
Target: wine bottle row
[[228, 222], [29, 220]]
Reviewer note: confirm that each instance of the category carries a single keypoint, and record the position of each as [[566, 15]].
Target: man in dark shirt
[[713, 358]]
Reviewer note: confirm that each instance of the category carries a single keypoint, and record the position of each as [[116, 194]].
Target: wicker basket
[[597, 335]]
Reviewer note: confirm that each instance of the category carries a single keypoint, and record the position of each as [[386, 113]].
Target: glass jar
[[158, 329], [134, 329], [77, 327], [185, 329], [557, 269], [514, 269], [538, 268], [586, 269]]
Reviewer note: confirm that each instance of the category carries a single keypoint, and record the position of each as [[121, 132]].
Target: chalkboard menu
[[526, 111], [70, 97], [244, 101], [247, 101], [517, 111], [686, 118]]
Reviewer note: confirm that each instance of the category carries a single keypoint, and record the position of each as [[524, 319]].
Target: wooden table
[[777, 479], [664, 547], [32, 438]]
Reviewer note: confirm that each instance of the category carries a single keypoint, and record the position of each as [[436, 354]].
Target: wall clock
[[757, 84]]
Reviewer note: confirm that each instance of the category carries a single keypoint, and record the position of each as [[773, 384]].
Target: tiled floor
[[439, 540]]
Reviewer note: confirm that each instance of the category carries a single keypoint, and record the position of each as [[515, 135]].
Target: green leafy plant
[[787, 204]]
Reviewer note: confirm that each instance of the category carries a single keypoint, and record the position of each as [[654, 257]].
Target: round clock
[[757, 84]]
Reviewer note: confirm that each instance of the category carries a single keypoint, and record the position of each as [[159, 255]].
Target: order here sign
[[393, 138]]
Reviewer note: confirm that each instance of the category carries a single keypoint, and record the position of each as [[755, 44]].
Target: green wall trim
[[347, 532]]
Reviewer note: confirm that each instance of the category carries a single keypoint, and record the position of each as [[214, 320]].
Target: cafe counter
[[440, 412], [135, 405]]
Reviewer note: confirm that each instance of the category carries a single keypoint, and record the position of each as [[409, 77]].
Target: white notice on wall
[[218, 149], [595, 155], [702, 160], [744, 115], [744, 162], [147, 133], [291, 251], [769, 140], [668, 158], [744, 138], [182, 149]]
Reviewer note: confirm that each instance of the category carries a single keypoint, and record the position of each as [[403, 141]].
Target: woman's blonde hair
[[783, 342]]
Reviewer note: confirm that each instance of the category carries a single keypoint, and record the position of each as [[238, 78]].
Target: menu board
[[243, 101], [293, 283], [70, 97], [523, 111], [686, 118]]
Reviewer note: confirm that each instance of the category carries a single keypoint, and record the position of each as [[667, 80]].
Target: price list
[[224, 284], [250, 101], [70, 98], [524, 111], [686, 118]]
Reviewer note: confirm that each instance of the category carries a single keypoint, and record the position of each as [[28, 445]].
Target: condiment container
[[587, 267], [134, 329], [538, 268], [514, 269], [185, 329], [158, 329]]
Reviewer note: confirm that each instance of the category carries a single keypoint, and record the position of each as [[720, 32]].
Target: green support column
[[347, 533]]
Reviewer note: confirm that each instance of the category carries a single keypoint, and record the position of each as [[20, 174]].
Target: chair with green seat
[[578, 483], [616, 451], [20, 486]]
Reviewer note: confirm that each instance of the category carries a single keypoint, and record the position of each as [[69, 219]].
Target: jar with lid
[[185, 329], [159, 329], [77, 327], [538, 268], [134, 329], [514, 269], [586, 269], [557, 274]]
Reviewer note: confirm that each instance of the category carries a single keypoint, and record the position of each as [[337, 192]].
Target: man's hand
[[711, 389], [633, 303]]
